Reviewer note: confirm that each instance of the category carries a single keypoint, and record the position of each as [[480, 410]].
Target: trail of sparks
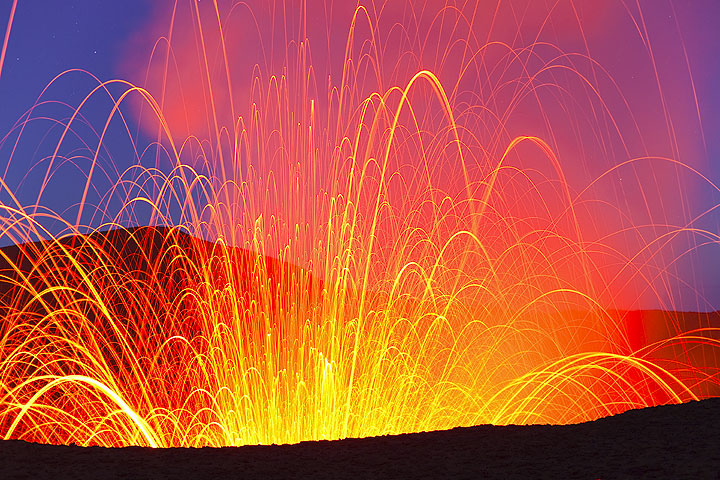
[[360, 264]]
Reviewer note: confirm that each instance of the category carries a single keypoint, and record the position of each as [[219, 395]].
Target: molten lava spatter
[[368, 221]]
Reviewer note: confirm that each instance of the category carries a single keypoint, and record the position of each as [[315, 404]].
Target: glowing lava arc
[[385, 256]]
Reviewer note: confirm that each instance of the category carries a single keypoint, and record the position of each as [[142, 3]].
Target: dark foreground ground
[[673, 442]]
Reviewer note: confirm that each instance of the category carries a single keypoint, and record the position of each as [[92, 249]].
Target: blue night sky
[[50, 37]]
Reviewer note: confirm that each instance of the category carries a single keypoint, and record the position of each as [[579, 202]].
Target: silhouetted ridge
[[668, 442], [164, 258]]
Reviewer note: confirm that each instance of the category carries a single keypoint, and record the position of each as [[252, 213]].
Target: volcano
[[671, 441]]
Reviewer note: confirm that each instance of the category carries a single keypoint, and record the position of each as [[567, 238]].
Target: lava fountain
[[365, 219]]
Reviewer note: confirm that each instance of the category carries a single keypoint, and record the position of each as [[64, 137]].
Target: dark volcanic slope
[[145, 257], [673, 442]]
